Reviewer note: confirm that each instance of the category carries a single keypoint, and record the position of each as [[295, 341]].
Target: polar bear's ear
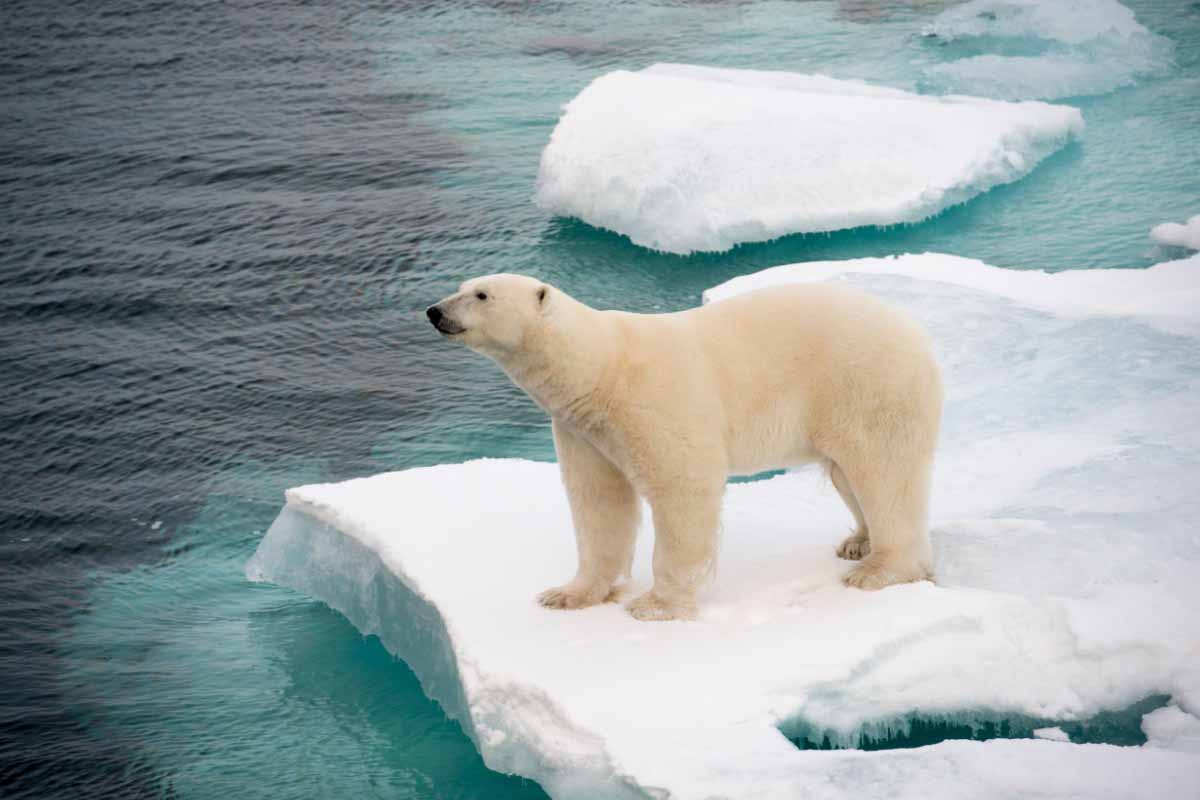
[[541, 294]]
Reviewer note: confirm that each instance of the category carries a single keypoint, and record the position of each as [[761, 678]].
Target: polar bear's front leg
[[606, 513], [685, 551]]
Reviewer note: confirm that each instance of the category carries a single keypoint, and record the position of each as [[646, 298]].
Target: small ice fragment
[[1054, 734], [1173, 234]]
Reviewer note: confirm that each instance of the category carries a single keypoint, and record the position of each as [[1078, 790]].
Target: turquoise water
[[232, 690], [1121, 727], [195, 683]]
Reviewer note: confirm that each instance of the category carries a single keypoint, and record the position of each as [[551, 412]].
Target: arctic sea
[[221, 223]]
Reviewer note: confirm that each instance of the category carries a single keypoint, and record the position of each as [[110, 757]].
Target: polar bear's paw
[[855, 547], [652, 607], [576, 594], [874, 572]]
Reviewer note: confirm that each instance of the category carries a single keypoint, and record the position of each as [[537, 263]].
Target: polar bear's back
[[812, 320], [839, 357]]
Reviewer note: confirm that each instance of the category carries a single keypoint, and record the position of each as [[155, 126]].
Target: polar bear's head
[[493, 314]]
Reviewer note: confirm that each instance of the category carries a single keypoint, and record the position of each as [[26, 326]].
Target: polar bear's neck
[[562, 364]]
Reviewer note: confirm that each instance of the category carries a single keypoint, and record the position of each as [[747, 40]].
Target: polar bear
[[667, 406]]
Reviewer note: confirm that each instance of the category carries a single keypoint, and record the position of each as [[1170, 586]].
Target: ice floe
[[1173, 234], [1044, 50], [1166, 295], [1065, 520], [684, 158], [1173, 728]]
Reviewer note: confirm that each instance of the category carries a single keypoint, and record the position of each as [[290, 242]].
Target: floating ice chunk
[[682, 158], [1172, 728], [1065, 590], [1046, 50], [1054, 734], [1173, 234]]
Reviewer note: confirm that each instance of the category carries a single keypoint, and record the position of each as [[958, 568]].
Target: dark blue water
[[220, 222]]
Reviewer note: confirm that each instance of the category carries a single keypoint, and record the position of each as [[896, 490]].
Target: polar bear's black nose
[[434, 313]]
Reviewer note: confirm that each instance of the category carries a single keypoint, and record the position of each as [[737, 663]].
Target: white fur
[[667, 406]]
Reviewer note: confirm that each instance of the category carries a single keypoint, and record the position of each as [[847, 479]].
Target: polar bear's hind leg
[[893, 494]]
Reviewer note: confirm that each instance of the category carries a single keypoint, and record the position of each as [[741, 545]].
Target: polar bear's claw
[[875, 573], [854, 548]]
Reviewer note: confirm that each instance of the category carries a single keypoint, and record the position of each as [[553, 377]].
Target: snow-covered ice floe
[[1173, 234], [684, 158], [1067, 528]]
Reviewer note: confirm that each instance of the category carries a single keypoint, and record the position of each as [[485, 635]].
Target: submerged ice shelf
[[1046, 50], [1068, 571], [684, 158]]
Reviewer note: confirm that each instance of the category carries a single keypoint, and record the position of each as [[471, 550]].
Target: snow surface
[[684, 158], [1065, 521], [1046, 50], [1173, 234]]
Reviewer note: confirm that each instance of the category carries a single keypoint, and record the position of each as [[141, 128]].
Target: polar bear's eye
[[481, 295]]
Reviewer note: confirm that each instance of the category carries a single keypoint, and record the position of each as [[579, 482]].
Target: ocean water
[[220, 224]]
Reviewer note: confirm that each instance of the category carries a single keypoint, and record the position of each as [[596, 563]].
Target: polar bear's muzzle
[[443, 323]]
